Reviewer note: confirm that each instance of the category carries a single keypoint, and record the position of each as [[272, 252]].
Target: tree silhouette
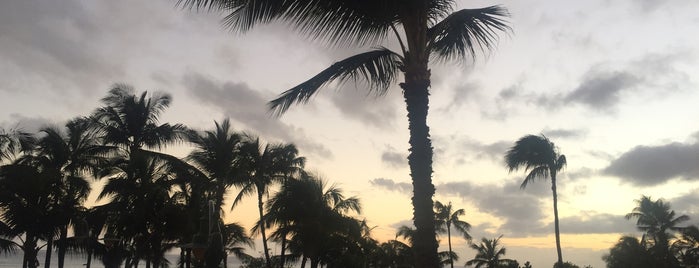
[[314, 216], [488, 254], [655, 219], [541, 158], [445, 218], [629, 252], [261, 166], [430, 30]]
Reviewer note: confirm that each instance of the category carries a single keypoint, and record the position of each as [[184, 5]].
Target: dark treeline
[[152, 202]]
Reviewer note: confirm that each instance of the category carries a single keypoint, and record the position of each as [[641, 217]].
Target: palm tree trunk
[[451, 260], [62, 246], [268, 264], [555, 219], [88, 263], [415, 92], [49, 250], [282, 257]]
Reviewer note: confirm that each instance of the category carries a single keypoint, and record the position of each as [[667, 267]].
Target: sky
[[612, 83]]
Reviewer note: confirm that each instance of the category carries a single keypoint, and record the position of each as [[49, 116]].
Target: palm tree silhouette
[[131, 121], [655, 219], [430, 30], [315, 218], [445, 218], [261, 166], [69, 158], [488, 254], [128, 123], [541, 158], [215, 154]]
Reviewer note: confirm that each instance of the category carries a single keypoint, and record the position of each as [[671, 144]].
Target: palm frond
[[378, 67], [459, 34], [541, 172], [336, 22]]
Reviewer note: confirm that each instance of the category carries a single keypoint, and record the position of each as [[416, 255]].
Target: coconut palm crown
[[431, 30], [541, 159]]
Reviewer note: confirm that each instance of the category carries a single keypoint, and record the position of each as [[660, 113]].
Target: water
[[78, 261]]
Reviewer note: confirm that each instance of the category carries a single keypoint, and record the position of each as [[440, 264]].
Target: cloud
[[564, 133], [504, 103], [375, 111], [521, 210], [249, 107], [461, 149], [389, 184], [463, 94], [393, 158], [28, 124], [653, 165], [594, 224], [687, 204], [601, 91]]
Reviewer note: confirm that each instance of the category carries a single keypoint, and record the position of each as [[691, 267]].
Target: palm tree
[[315, 218], [686, 248], [14, 143], [131, 121], [445, 218], [489, 254], [214, 155], [70, 158], [261, 166], [655, 219], [542, 159], [139, 190], [630, 252], [430, 30]]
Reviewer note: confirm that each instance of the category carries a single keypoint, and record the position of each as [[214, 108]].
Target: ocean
[[78, 261]]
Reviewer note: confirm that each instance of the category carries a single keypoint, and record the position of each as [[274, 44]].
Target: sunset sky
[[612, 83]]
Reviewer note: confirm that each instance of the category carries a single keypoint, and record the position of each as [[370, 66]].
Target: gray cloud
[[603, 87], [389, 184], [463, 149], [462, 95], [653, 165], [594, 224], [504, 103], [376, 111], [687, 204], [564, 133], [393, 158], [247, 106], [601, 91], [28, 124], [522, 210]]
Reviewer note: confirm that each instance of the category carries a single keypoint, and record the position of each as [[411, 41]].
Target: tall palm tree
[[14, 143], [261, 166], [430, 30], [656, 219], [542, 159], [446, 217], [130, 123], [488, 254]]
